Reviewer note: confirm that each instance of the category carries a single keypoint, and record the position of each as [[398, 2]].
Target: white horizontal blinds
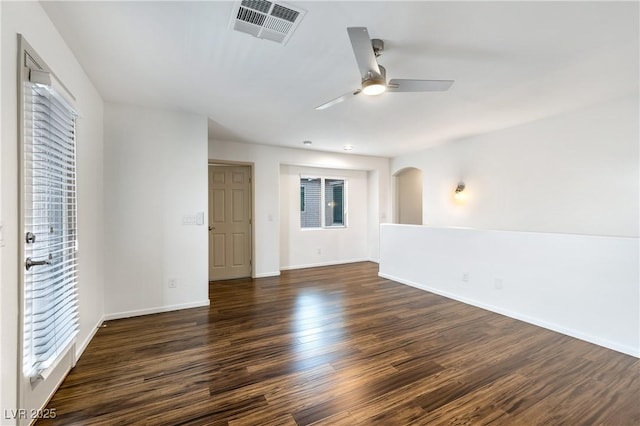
[[50, 311]]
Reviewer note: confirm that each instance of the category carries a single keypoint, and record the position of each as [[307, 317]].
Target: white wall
[[29, 19], [267, 161], [301, 248], [5, 354], [378, 208], [573, 173], [3, 359], [583, 286], [155, 175]]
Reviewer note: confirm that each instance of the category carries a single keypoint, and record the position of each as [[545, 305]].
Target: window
[[334, 202], [49, 311], [322, 202]]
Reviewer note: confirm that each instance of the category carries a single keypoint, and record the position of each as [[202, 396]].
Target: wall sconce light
[[459, 195]]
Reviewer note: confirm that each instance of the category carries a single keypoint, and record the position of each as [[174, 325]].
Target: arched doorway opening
[[409, 196]]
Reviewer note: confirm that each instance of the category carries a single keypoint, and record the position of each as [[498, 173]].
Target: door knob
[[30, 262], [211, 228]]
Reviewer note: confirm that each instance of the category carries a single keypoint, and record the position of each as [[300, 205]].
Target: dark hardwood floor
[[341, 346]]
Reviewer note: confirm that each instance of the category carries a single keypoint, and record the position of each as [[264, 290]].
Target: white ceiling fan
[[374, 76]]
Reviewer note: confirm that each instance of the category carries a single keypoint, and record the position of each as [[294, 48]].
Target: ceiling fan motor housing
[[376, 78], [383, 72], [378, 46]]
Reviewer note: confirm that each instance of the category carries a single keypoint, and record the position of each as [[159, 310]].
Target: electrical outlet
[[173, 283], [465, 277], [497, 283], [319, 251]]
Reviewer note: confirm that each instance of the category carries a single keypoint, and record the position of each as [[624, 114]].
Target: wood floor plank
[[341, 346]]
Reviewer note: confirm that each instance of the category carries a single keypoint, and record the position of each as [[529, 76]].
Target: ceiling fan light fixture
[[373, 87], [373, 75]]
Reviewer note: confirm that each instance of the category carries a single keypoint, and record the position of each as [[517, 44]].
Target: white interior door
[[229, 222]]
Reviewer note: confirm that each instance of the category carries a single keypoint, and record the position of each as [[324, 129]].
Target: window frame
[[345, 204], [30, 62]]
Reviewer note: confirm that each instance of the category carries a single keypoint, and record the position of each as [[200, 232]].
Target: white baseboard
[[67, 370], [515, 315], [149, 311], [315, 265], [267, 274], [85, 343]]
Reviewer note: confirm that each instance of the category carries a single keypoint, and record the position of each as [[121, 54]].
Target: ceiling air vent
[[266, 19]]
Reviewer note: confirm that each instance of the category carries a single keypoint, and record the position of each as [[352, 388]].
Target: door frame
[[27, 393], [213, 162]]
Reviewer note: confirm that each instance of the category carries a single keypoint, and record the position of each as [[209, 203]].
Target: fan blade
[[363, 50], [338, 100], [406, 85]]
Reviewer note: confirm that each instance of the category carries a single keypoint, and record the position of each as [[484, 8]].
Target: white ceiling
[[512, 62]]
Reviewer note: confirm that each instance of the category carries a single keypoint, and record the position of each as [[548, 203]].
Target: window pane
[[310, 193], [334, 202], [50, 288]]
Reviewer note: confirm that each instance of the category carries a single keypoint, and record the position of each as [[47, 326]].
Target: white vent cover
[[266, 19]]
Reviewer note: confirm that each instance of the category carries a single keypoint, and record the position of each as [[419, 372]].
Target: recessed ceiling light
[[348, 147], [307, 143]]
